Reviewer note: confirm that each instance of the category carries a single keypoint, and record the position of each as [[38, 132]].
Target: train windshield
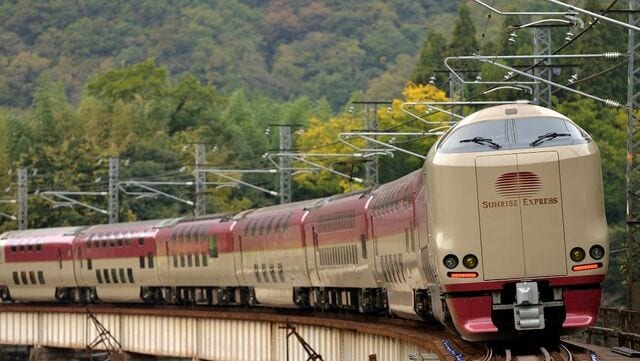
[[512, 134]]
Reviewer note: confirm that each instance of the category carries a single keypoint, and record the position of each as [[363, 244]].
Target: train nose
[[520, 207]]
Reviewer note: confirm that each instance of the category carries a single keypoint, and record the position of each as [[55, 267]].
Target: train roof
[[132, 226], [42, 232], [511, 111]]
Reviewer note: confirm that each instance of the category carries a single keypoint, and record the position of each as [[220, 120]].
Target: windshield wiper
[[483, 141], [548, 136]]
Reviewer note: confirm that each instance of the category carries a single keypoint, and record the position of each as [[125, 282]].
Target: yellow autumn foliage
[[321, 137]]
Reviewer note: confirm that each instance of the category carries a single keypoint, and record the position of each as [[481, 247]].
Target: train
[[502, 233]]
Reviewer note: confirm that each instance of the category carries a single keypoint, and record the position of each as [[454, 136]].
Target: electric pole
[[114, 180], [542, 47], [371, 125], [633, 164], [201, 181], [284, 163], [22, 198], [456, 94]]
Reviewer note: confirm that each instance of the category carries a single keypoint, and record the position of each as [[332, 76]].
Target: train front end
[[518, 231]]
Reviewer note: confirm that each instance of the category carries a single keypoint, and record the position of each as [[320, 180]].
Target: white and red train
[[502, 232]]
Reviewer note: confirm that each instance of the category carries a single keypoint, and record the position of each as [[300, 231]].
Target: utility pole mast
[[114, 180], [371, 125], [542, 47], [22, 198], [285, 163], [633, 163], [201, 181], [456, 94]]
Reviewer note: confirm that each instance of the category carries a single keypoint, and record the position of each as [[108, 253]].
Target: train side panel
[[35, 263]]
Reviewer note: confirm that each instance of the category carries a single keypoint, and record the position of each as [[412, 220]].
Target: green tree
[[431, 58]]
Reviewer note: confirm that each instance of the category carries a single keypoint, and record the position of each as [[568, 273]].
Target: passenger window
[[127, 242], [213, 246], [41, 277], [16, 280], [120, 242], [14, 249], [130, 275], [21, 248], [112, 243], [122, 279], [105, 273], [245, 230], [269, 225], [256, 271], [38, 247], [89, 264], [99, 276], [104, 243], [88, 243], [114, 275], [189, 260], [182, 261], [253, 227], [142, 265], [175, 261], [281, 272], [203, 233], [30, 248], [205, 260], [140, 241], [196, 260], [150, 259], [276, 227], [262, 222]]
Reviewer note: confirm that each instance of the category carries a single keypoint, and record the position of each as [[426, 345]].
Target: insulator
[[612, 103], [612, 55]]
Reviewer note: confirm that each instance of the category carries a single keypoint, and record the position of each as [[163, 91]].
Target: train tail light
[[462, 274], [586, 267]]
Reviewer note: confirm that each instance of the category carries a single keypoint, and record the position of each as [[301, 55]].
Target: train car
[[117, 262], [270, 254], [501, 233], [517, 222], [37, 265], [196, 263], [398, 242], [340, 254]]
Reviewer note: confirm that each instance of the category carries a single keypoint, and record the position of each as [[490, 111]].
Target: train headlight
[[450, 261], [596, 252], [577, 254], [470, 261]]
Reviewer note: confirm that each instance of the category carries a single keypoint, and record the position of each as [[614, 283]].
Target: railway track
[[538, 351]]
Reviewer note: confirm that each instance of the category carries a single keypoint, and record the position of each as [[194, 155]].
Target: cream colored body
[[520, 240]]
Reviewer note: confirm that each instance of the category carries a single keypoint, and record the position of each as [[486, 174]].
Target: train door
[[376, 254], [541, 212], [500, 224], [316, 254], [238, 263]]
